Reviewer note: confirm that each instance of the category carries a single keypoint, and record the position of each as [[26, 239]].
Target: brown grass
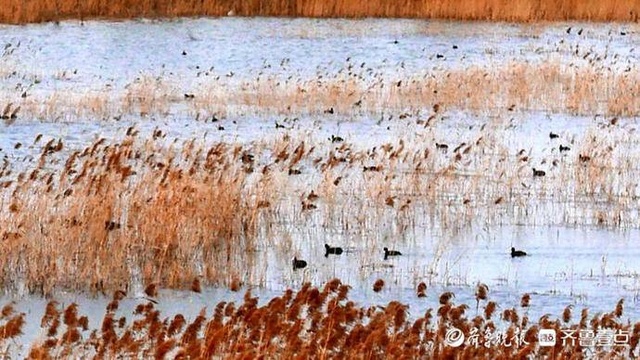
[[97, 204], [332, 327], [18, 11], [137, 212], [584, 88]]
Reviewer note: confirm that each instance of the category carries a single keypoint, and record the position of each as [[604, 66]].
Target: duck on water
[[298, 264], [388, 253], [332, 250], [517, 253]]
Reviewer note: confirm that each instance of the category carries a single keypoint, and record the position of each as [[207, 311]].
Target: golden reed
[[27, 11], [321, 323]]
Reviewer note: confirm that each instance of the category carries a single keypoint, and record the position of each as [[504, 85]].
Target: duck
[[332, 250], [538, 173], [298, 264], [517, 253], [388, 253]]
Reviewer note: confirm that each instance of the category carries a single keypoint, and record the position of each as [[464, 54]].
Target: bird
[[332, 250], [298, 264], [517, 253], [335, 139], [553, 136], [388, 253], [538, 173]]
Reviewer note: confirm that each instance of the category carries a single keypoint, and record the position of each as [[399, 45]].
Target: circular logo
[[454, 337]]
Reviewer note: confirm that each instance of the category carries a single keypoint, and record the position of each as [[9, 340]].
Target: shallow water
[[94, 54], [584, 267]]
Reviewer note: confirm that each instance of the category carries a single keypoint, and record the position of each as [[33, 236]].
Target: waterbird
[[538, 173], [335, 139], [553, 136], [308, 206], [564, 148], [332, 250], [312, 196], [298, 264], [388, 253], [517, 253]]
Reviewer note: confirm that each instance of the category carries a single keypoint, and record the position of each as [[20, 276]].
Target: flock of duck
[[330, 250]]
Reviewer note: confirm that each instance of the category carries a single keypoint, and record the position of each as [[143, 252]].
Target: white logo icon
[[454, 337], [547, 337]]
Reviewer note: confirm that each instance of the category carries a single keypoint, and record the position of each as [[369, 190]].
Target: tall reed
[[323, 323], [18, 11]]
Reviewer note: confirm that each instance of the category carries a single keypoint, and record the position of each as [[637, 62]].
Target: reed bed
[[142, 209], [323, 323], [123, 224], [19, 12], [553, 86]]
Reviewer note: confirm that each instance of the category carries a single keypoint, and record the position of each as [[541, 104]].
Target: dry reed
[[138, 211], [332, 326], [16, 12], [576, 88]]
